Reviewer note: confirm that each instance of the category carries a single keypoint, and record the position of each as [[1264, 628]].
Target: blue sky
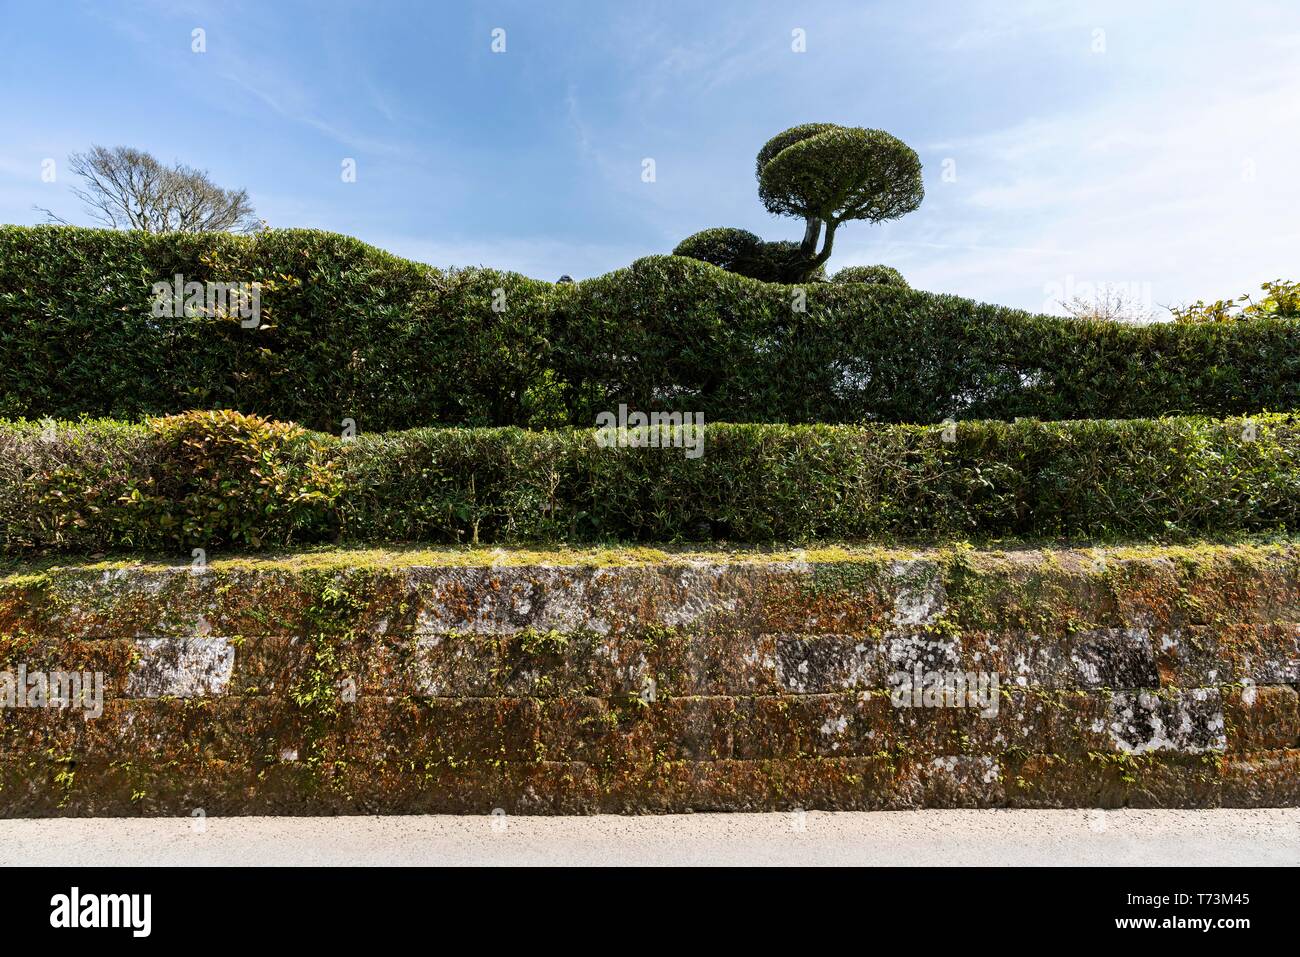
[[1152, 145]]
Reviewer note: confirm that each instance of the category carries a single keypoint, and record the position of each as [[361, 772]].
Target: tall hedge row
[[346, 331], [221, 479], [350, 332]]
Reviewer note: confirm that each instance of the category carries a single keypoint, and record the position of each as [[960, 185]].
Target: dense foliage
[[1281, 300], [828, 175], [825, 175], [211, 479], [878, 275], [347, 331], [744, 253]]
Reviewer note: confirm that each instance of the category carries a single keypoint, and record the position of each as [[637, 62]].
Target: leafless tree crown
[[1110, 304], [126, 188]]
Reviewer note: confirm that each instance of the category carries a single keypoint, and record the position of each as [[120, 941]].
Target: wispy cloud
[[1165, 158], [292, 106], [1175, 185]]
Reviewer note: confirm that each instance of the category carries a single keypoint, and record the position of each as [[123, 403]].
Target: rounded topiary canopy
[[874, 275], [833, 173], [826, 174], [741, 252], [791, 136], [723, 246]]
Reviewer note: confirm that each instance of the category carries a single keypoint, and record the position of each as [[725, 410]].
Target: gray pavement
[[941, 837]]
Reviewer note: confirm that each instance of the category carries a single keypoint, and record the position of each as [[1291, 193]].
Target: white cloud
[[1187, 192]]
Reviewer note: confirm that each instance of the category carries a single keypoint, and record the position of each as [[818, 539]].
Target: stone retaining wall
[[460, 681]]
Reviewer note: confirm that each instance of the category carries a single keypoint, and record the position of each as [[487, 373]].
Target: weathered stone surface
[[181, 667], [813, 664], [113, 658], [1235, 651], [629, 731], [733, 681], [1261, 779], [502, 600], [1189, 723], [1151, 780], [1261, 717], [1096, 658], [214, 787]]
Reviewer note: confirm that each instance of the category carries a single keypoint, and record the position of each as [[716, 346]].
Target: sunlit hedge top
[[222, 479], [348, 331]]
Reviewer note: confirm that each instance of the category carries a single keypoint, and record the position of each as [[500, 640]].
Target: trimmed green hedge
[[350, 332], [877, 275], [226, 480], [347, 331]]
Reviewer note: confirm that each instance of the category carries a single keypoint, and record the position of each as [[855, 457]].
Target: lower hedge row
[[221, 479]]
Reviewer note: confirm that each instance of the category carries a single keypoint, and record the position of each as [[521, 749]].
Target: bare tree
[[129, 189], [1110, 304]]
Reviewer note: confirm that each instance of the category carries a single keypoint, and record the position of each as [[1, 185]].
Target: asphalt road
[[992, 837]]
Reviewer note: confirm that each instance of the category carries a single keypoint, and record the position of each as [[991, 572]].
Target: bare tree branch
[[51, 217], [126, 188], [1110, 304]]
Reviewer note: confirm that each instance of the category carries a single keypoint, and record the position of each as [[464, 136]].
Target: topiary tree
[[723, 246], [829, 175], [777, 262], [741, 252], [874, 275]]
